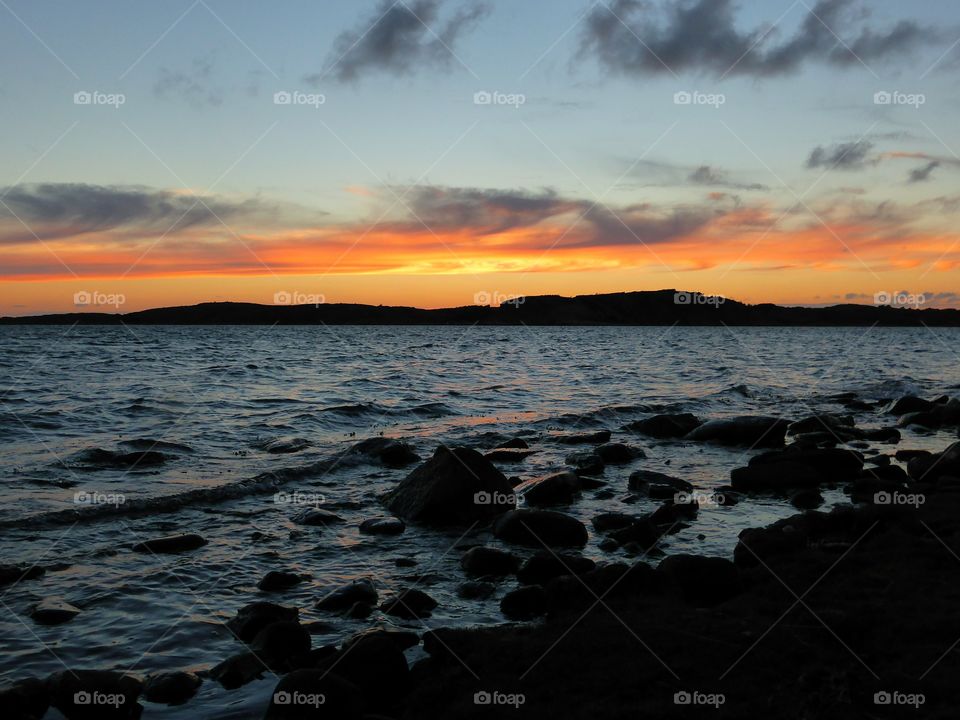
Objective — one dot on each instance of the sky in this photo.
(444, 153)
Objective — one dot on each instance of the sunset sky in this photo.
(437, 151)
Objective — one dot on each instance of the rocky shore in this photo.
(845, 613)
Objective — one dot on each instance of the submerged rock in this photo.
(15, 573)
(588, 438)
(313, 516)
(283, 446)
(171, 544)
(585, 462)
(95, 694)
(666, 426)
(171, 688)
(344, 597)
(382, 526)
(278, 580)
(410, 604)
(53, 611)
(457, 486)
(390, 452)
(617, 453)
(482, 561)
(748, 430)
(657, 485)
(536, 528)
(476, 590)
(252, 618)
(518, 443)
(508, 454)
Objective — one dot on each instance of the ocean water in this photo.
(211, 400)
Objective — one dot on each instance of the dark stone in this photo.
(536, 528)
(390, 452)
(346, 596)
(238, 670)
(283, 446)
(278, 642)
(14, 573)
(617, 453)
(806, 499)
(589, 438)
(474, 590)
(382, 526)
(84, 694)
(26, 699)
(517, 443)
(585, 462)
(375, 663)
(52, 611)
(606, 522)
(525, 603)
(410, 604)
(481, 561)
(252, 618)
(774, 476)
(703, 581)
(544, 565)
(666, 426)
(278, 580)
(910, 404)
(508, 455)
(315, 516)
(171, 688)
(752, 431)
(361, 610)
(833, 424)
(403, 639)
(657, 485)
(642, 531)
(298, 697)
(171, 544)
(455, 487)
(557, 489)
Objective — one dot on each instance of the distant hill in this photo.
(659, 307)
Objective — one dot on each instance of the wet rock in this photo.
(806, 499)
(557, 489)
(276, 580)
(95, 694)
(568, 594)
(171, 688)
(98, 457)
(346, 596)
(617, 453)
(607, 522)
(53, 611)
(666, 426)
(171, 544)
(403, 639)
(361, 610)
(585, 462)
(703, 581)
(525, 603)
(313, 516)
(657, 485)
(536, 528)
(252, 618)
(10, 574)
(382, 526)
(752, 431)
(410, 604)
(476, 590)
(886, 435)
(909, 404)
(390, 452)
(797, 466)
(543, 566)
(518, 443)
(25, 699)
(907, 455)
(375, 663)
(508, 455)
(480, 561)
(281, 641)
(833, 424)
(315, 693)
(284, 446)
(774, 476)
(238, 670)
(643, 531)
(455, 487)
(588, 438)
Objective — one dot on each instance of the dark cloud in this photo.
(704, 36)
(922, 174)
(55, 210)
(844, 156)
(399, 38)
(707, 175)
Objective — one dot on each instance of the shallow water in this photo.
(209, 399)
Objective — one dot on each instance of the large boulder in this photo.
(747, 430)
(666, 426)
(536, 528)
(457, 486)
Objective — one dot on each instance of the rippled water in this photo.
(210, 399)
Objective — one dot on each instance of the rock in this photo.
(525, 603)
(518, 443)
(402, 639)
(907, 455)
(887, 435)
(390, 452)
(481, 561)
(543, 566)
(774, 476)
(26, 699)
(614, 580)
(806, 499)
(703, 581)
(474, 590)
(171, 688)
(797, 466)
(666, 426)
(509, 455)
(361, 610)
(313, 517)
(833, 424)
(278, 580)
(455, 487)
(657, 485)
(280, 642)
(642, 531)
(589, 438)
(345, 596)
(252, 618)
(238, 670)
(606, 522)
(557, 489)
(410, 604)
(617, 453)
(99, 457)
(382, 526)
(585, 462)
(909, 404)
(53, 611)
(15, 573)
(315, 693)
(171, 544)
(536, 528)
(95, 694)
(283, 446)
(752, 431)
(375, 663)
